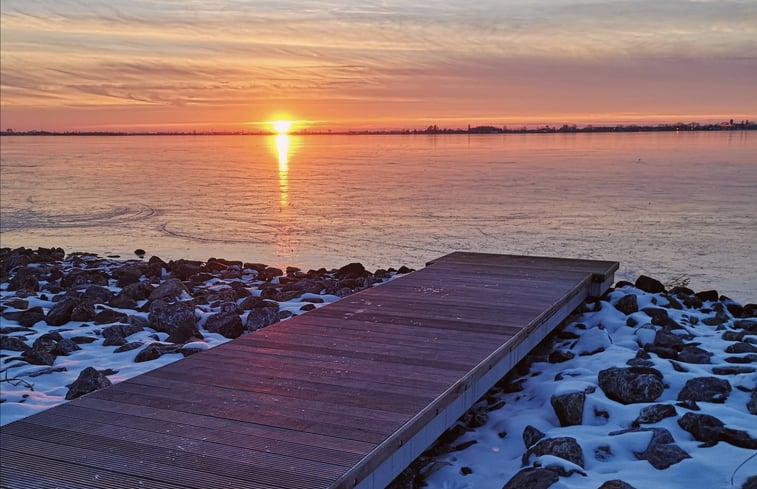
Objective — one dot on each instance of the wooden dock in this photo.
(345, 396)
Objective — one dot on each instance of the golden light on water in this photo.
(281, 141)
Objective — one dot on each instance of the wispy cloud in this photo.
(435, 56)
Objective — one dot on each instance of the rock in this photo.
(660, 317)
(648, 284)
(64, 346)
(132, 345)
(709, 389)
(226, 323)
(627, 304)
(532, 479)
(176, 319)
(122, 301)
(83, 311)
(60, 313)
(694, 355)
(127, 275)
(97, 294)
(265, 314)
(631, 385)
(270, 273)
(138, 290)
(569, 408)
(38, 357)
(751, 405)
(654, 413)
(13, 343)
(140, 252)
(31, 316)
(89, 380)
(616, 484)
(351, 270)
(107, 316)
(531, 435)
(115, 335)
(733, 370)
(564, 447)
(661, 452)
(664, 338)
(155, 350)
(741, 347)
(707, 295)
(172, 288)
(710, 430)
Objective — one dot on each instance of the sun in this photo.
(281, 126)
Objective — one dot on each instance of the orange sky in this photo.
(229, 65)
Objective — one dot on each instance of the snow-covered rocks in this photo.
(653, 388)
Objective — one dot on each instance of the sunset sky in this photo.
(232, 64)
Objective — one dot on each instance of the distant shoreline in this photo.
(433, 129)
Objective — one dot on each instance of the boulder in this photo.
(616, 484)
(751, 405)
(708, 389)
(122, 301)
(13, 343)
(155, 350)
(177, 319)
(661, 452)
(172, 288)
(531, 435)
(351, 270)
(569, 408)
(648, 284)
(631, 385)
(654, 413)
(97, 294)
(31, 316)
(226, 323)
(695, 355)
(60, 313)
(627, 304)
(564, 447)
(83, 311)
(532, 479)
(138, 290)
(107, 316)
(89, 380)
(710, 430)
(264, 314)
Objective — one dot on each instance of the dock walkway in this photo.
(345, 396)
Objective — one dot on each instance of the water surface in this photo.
(672, 205)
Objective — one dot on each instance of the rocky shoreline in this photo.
(53, 304)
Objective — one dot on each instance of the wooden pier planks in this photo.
(344, 396)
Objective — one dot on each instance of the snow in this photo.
(494, 460)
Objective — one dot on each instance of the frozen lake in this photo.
(670, 205)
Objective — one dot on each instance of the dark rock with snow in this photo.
(695, 355)
(107, 316)
(122, 301)
(648, 284)
(115, 335)
(710, 430)
(171, 289)
(226, 323)
(31, 316)
(569, 408)
(616, 484)
(13, 343)
(263, 314)
(661, 452)
(532, 479)
(627, 304)
(89, 380)
(708, 389)
(631, 385)
(154, 351)
(751, 405)
(531, 435)
(564, 447)
(132, 345)
(741, 347)
(177, 319)
(97, 294)
(83, 311)
(60, 313)
(654, 413)
(138, 291)
(707, 295)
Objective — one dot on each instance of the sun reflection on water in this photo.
(281, 141)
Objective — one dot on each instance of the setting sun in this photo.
(281, 126)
